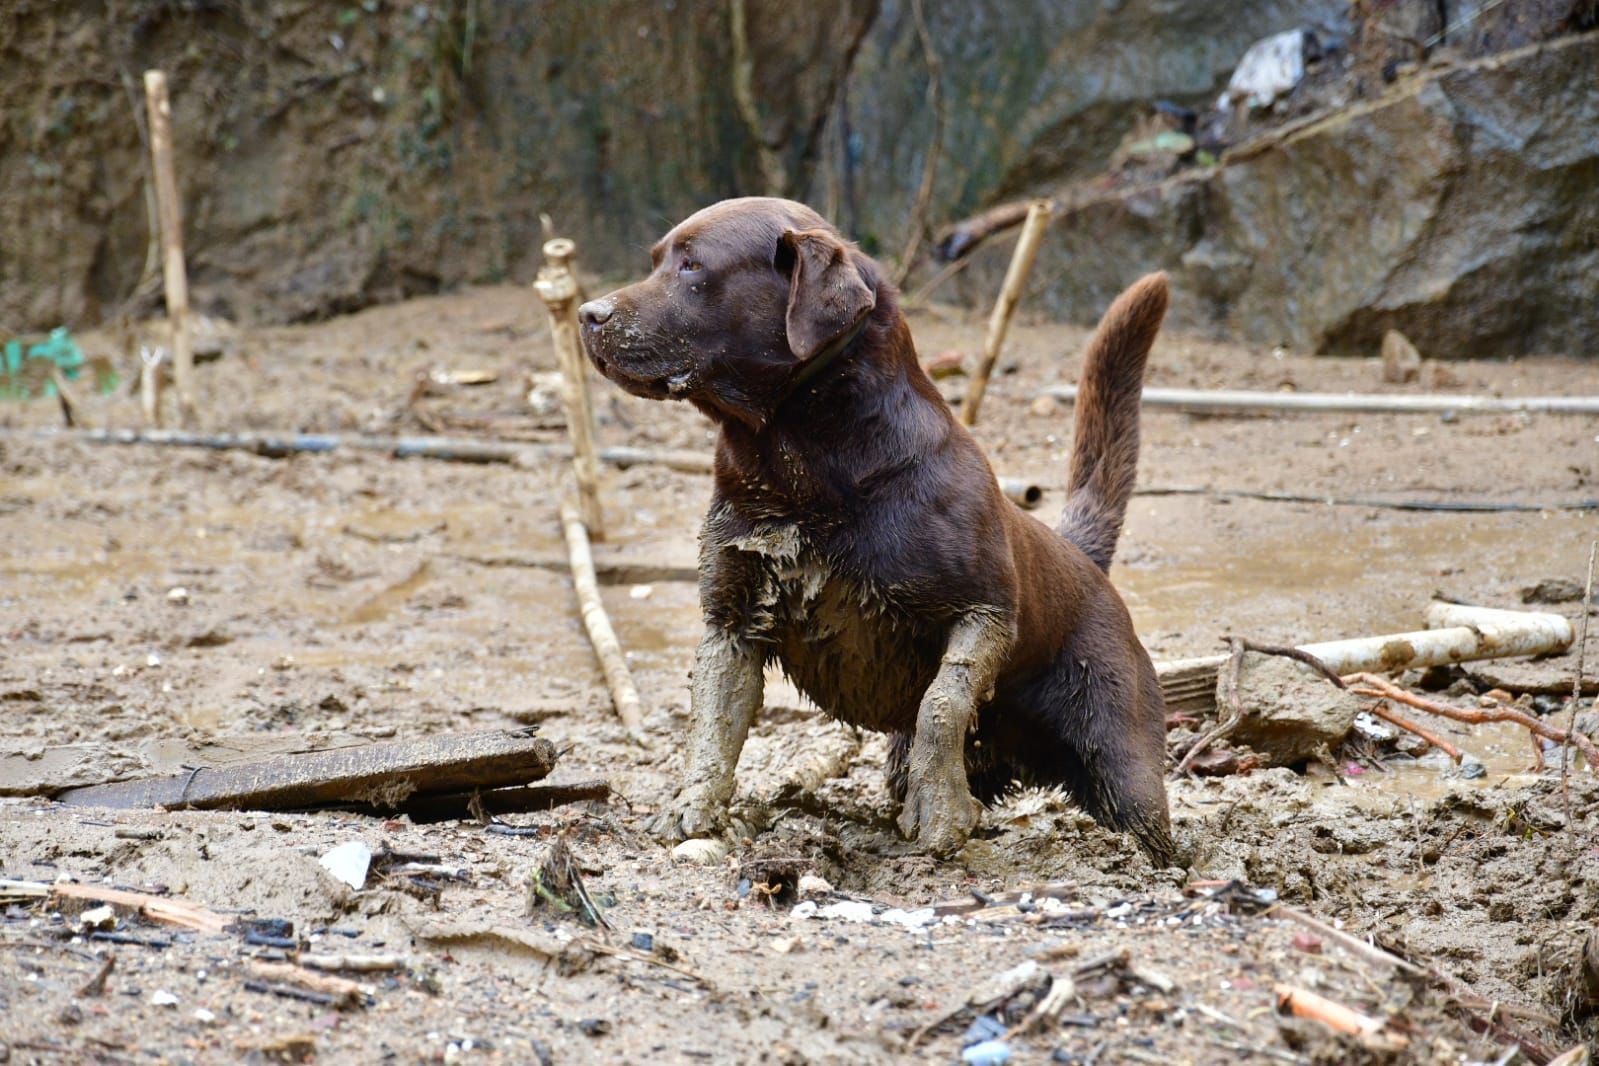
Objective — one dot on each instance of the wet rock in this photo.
(1290, 713)
(1400, 360)
(1552, 590)
(1450, 208)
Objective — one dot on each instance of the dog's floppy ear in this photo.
(827, 296)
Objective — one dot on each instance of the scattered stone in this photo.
(701, 852)
(1291, 714)
(1045, 406)
(785, 945)
(97, 919)
(812, 885)
(1552, 590)
(178, 597)
(1309, 943)
(988, 1053)
(162, 998)
(1400, 360)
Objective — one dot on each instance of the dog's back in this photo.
(1105, 440)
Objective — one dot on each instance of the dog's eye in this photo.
(690, 266)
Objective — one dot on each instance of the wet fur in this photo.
(857, 537)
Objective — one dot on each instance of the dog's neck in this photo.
(868, 411)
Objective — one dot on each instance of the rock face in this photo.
(333, 155)
(1459, 208)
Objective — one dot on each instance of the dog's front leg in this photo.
(726, 693)
(939, 809)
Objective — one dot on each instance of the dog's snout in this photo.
(596, 312)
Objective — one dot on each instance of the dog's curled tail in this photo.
(1105, 441)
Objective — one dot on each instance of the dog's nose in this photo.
(596, 312)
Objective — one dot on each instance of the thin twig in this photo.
(935, 145)
(1408, 726)
(1235, 710)
(1363, 684)
(1576, 686)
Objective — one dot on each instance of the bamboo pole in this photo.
(1010, 293)
(624, 694)
(1242, 401)
(173, 272)
(557, 287)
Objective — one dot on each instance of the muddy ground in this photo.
(338, 597)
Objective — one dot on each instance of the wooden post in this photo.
(1010, 293)
(557, 287)
(177, 278)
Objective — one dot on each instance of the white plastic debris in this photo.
(348, 862)
(857, 910)
(1271, 68)
(1373, 728)
(162, 998)
(98, 918)
(204, 1017)
(700, 852)
(850, 910)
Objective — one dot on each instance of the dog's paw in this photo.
(939, 817)
(687, 815)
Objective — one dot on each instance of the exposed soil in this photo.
(338, 597)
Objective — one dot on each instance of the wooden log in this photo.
(1466, 634)
(1244, 402)
(384, 774)
(1010, 294)
(624, 694)
(174, 274)
(557, 287)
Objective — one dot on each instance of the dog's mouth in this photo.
(676, 384)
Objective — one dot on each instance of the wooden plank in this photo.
(383, 774)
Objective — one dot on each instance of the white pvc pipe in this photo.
(1240, 401)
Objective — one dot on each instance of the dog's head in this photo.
(744, 295)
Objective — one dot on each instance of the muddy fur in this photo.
(857, 536)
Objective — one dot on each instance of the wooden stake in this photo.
(1010, 293)
(557, 287)
(624, 695)
(176, 277)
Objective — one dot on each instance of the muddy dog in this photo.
(857, 535)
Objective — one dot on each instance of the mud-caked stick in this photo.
(624, 694)
(173, 271)
(557, 287)
(1010, 294)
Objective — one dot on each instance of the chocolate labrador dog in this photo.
(857, 535)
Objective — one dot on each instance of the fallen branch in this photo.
(341, 991)
(958, 240)
(624, 695)
(1235, 709)
(1245, 402)
(384, 774)
(155, 908)
(356, 963)
(1408, 726)
(1365, 684)
(1010, 294)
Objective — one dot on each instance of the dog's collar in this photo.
(819, 362)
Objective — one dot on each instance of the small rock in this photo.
(204, 1017)
(1400, 360)
(594, 1026)
(785, 945)
(178, 596)
(984, 1027)
(1290, 713)
(643, 941)
(1045, 406)
(811, 885)
(988, 1053)
(701, 852)
(1494, 697)
(945, 364)
(1309, 943)
(641, 592)
(1552, 590)
(97, 919)
(162, 998)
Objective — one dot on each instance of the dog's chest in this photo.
(847, 643)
